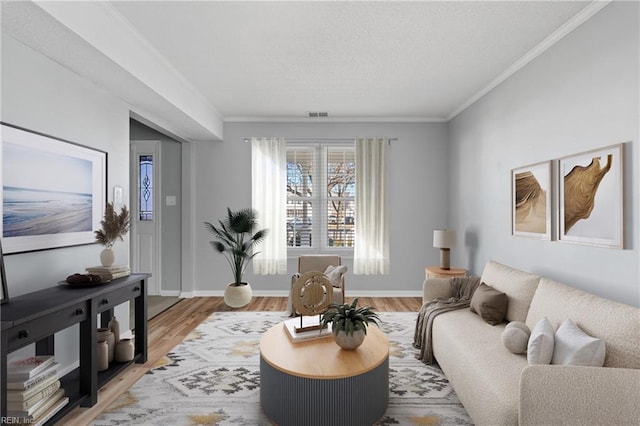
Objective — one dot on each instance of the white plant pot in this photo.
(107, 257)
(238, 296)
(349, 342)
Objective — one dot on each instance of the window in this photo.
(145, 187)
(321, 197)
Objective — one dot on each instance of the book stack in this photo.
(34, 394)
(108, 273)
(306, 331)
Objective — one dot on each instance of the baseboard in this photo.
(170, 293)
(64, 370)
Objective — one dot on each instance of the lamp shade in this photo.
(444, 238)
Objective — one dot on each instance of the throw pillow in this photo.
(574, 347)
(489, 303)
(334, 274)
(541, 341)
(515, 337)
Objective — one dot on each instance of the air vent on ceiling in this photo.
(318, 114)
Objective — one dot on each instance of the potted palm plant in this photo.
(235, 239)
(349, 323)
(114, 226)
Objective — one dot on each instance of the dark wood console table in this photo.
(35, 317)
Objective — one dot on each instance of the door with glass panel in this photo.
(145, 221)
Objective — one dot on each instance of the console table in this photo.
(35, 317)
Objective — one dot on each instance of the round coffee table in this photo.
(317, 383)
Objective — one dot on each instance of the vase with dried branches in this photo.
(114, 226)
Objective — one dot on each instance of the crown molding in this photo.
(585, 14)
(346, 119)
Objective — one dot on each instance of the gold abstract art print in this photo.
(531, 201)
(591, 197)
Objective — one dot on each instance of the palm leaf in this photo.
(235, 238)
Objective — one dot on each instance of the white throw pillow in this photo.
(540, 347)
(515, 337)
(334, 274)
(574, 347)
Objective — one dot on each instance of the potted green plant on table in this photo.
(235, 239)
(114, 226)
(349, 323)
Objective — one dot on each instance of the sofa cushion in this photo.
(489, 303)
(616, 323)
(574, 347)
(519, 287)
(476, 362)
(541, 342)
(515, 337)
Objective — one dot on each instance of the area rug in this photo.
(213, 378)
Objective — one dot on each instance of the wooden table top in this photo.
(452, 272)
(322, 358)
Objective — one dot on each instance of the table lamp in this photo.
(444, 239)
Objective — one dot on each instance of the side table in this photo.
(438, 272)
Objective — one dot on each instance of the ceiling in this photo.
(278, 61)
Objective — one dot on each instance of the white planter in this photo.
(349, 342)
(238, 296)
(107, 257)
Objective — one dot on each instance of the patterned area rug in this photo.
(213, 378)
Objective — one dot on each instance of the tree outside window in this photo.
(308, 170)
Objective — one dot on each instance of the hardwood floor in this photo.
(168, 329)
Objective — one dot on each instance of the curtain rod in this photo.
(321, 139)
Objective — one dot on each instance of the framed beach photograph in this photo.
(531, 201)
(53, 191)
(591, 197)
(4, 296)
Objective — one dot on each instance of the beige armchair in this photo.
(319, 263)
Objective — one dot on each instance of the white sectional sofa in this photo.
(498, 387)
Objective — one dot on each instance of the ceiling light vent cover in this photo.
(318, 114)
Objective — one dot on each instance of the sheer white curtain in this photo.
(269, 199)
(371, 253)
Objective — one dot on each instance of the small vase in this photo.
(107, 257)
(102, 355)
(114, 326)
(125, 350)
(349, 342)
(238, 295)
(106, 335)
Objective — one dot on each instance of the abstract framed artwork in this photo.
(531, 201)
(591, 197)
(53, 191)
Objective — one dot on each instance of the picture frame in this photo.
(4, 294)
(591, 197)
(53, 191)
(531, 191)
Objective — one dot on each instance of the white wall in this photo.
(580, 95)
(40, 95)
(417, 190)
